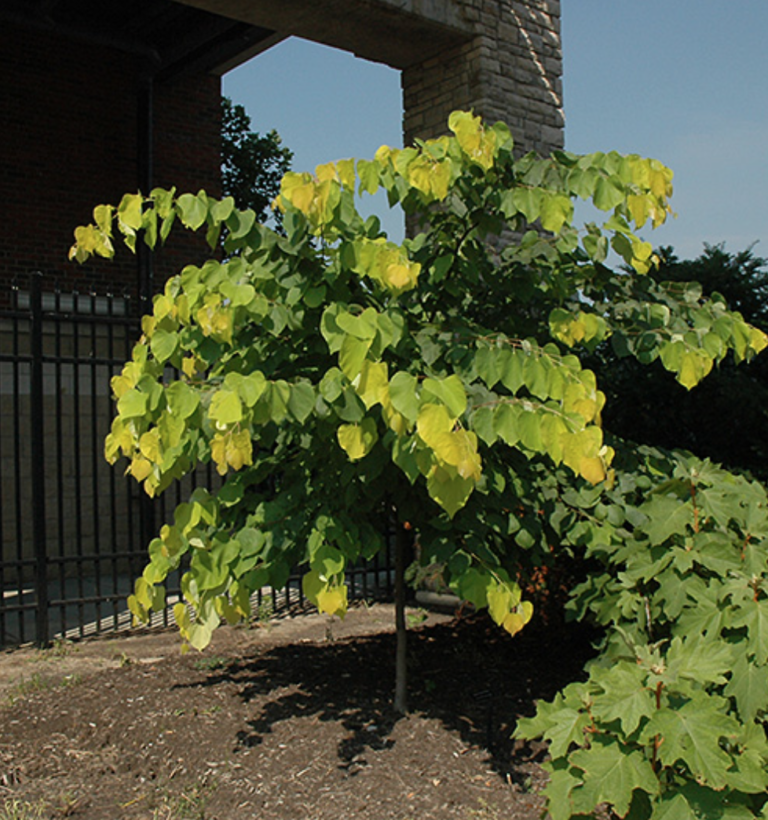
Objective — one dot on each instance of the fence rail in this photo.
(73, 531)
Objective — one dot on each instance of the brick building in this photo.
(98, 98)
(102, 98)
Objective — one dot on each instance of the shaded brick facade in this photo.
(69, 141)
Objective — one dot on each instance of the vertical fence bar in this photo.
(19, 361)
(59, 612)
(37, 449)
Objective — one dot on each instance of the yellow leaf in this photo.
(457, 448)
(396, 422)
(189, 366)
(758, 340)
(372, 384)
(401, 275)
(140, 468)
(148, 325)
(149, 445)
(513, 623)
(387, 263)
(239, 449)
(333, 600)
(468, 463)
(500, 602)
(140, 614)
(219, 453)
(441, 179)
(592, 469)
(163, 306)
(326, 171)
(215, 320)
(430, 176)
(357, 439)
(581, 400)
(126, 380)
(314, 197)
(119, 440)
(475, 141)
(585, 444)
(298, 189)
(639, 209)
(694, 366)
(434, 427)
(346, 169)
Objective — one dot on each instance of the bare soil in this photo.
(289, 720)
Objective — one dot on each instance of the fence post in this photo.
(37, 452)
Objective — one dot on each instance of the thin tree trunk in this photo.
(401, 672)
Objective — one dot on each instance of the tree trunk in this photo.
(401, 671)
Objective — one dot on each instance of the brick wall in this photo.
(69, 142)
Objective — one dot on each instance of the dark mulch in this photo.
(269, 729)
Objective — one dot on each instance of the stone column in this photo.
(508, 69)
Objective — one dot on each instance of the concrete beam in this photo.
(399, 33)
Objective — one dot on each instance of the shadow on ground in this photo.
(469, 674)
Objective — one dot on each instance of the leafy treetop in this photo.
(337, 379)
(252, 164)
(645, 405)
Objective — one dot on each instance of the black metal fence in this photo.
(73, 530)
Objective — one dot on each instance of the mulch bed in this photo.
(295, 730)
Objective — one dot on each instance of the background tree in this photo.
(645, 404)
(341, 382)
(252, 165)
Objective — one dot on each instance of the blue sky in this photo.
(685, 81)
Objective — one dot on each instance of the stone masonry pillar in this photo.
(508, 69)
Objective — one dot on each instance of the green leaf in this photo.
(754, 616)
(511, 364)
(472, 586)
(558, 791)
(225, 408)
(328, 561)
(132, 404)
(192, 210)
(691, 734)
(402, 394)
(612, 771)
(129, 212)
(528, 201)
(556, 210)
(699, 659)
(450, 391)
(449, 489)
(608, 193)
(505, 423)
(749, 686)
(625, 696)
(250, 388)
(163, 344)
(301, 402)
(674, 807)
(182, 399)
(352, 355)
(487, 367)
(667, 516)
(566, 729)
(529, 428)
(482, 424)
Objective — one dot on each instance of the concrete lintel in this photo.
(399, 33)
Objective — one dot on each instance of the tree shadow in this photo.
(468, 674)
